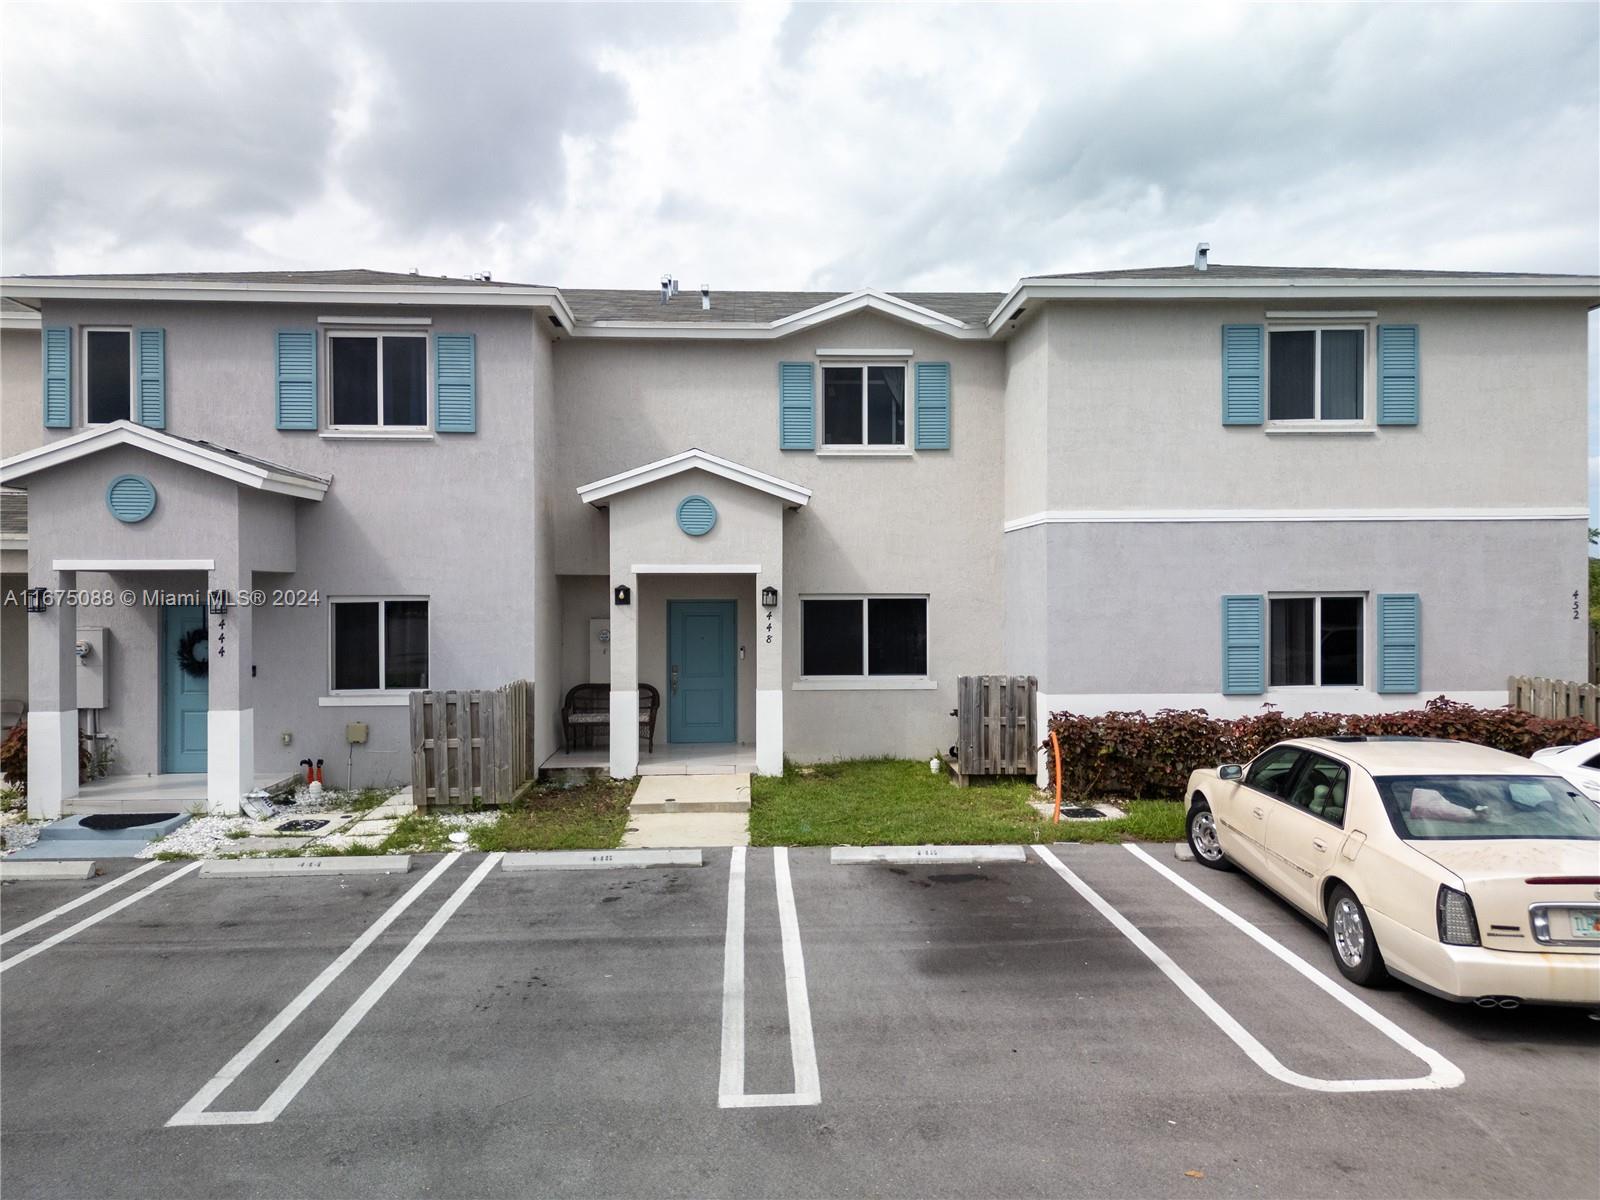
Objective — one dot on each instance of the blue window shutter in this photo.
(1399, 394)
(1400, 643)
(297, 379)
(455, 382)
(933, 406)
(797, 406)
(150, 407)
(1244, 645)
(1243, 386)
(58, 377)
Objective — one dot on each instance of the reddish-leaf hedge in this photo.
(1135, 754)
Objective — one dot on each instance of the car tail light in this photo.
(1458, 924)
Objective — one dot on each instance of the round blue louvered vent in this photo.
(131, 498)
(696, 515)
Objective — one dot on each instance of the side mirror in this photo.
(1230, 771)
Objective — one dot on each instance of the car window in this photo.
(1273, 771)
(1450, 807)
(1320, 789)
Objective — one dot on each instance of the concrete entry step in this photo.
(692, 794)
(665, 830)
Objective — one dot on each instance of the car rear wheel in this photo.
(1355, 949)
(1203, 841)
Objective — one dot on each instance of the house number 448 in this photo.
(769, 627)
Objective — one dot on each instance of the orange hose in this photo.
(1055, 746)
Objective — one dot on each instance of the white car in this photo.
(1576, 764)
(1467, 872)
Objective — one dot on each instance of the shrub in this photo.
(1135, 754)
(14, 757)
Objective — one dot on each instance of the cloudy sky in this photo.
(797, 146)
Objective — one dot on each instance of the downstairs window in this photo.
(380, 645)
(843, 637)
(1315, 641)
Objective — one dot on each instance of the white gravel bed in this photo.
(202, 836)
(20, 834)
(468, 820)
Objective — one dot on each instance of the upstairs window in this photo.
(864, 406)
(378, 380)
(107, 375)
(380, 645)
(864, 635)
(1316, 374)
(1315, 641)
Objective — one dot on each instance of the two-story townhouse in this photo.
(787, 521)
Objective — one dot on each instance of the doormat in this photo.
(104, 822)
(302, 826)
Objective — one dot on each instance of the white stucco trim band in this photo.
(230, 758)
(133, 564)
(769, 731)
(694, 459)
(52, 761)
(696, 568)
(624, 757)
(1191, 516)
(243, 471)
(866, 683)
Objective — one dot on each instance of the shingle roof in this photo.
(13, 513)
(1232, 271)
(356, 278)
(589, 305)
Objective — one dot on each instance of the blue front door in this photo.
(702, 670)
(185, 695)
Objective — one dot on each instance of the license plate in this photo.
(1585, 924)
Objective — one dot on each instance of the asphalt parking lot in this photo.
(918, 1030)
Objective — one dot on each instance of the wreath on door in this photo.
(192, 664)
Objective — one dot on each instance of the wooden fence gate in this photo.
(471, 747)
(995, 725)
(1554, 697)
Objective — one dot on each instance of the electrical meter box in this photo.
(93, 667)
(355, 733)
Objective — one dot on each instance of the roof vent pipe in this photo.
(666, 288)
(1200, 252)
(674, 287)
(705, 297)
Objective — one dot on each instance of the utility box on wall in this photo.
(93, 667)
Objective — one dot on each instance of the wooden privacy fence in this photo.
(1594, 654)
(1554, 697)
(471, 747)
(995, 725)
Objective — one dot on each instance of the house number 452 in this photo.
(1575, 607)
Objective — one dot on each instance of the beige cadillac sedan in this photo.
(1467, 872)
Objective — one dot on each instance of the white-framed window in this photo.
(107, 375)
(1316, 640)
(864, 406)
(854, 637)
(1317, 373)
(378, 643)
(377, 380)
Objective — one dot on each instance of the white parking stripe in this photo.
(1441, 1072)
(92, 894)
(802, 1041)
(109, 910)
(193, 1113)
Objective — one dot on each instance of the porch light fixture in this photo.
(217, 602)
(769, 597)
(621, 594)
(36, 602)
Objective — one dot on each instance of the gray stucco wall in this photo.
(1135, 608)
(21, 397)
(1135, 422)
(927, 523)
(446, 518)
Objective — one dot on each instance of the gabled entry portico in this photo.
(139, 530)
(696, 535)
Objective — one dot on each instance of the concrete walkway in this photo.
(689, 810)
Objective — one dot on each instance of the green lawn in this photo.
(879, 802)
(592, 816)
